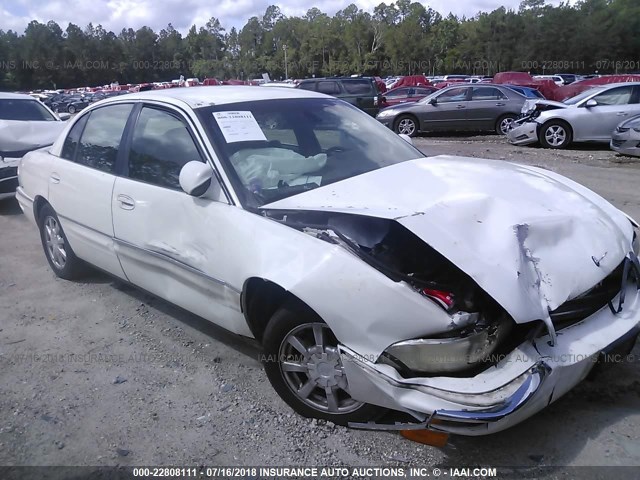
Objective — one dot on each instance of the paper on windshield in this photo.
(239, 126)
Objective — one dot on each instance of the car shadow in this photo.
(10, 206)
(244, 345)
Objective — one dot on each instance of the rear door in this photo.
(485, 106)
(361, 92)
(81, 184)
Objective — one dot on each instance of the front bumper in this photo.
(519, 385)
(525, 133)
(626, 143)
(8, 177)
(386, 121)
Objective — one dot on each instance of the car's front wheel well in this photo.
(261, 299)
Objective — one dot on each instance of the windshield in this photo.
(273, 149)
(24, 110)
(581, 96)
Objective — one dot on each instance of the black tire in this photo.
(293, 318)
(555, 134)
(60, 256)
(71, 109)
(407, 125)
(505, 123)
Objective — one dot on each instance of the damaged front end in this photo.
(477, 324)
(526, 290)
(525, 127)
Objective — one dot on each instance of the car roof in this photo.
(202, 96)
(15, 96)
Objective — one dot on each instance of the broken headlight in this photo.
(449, 354)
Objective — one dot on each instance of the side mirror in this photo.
(591, 103)
(196, 178)
(64, 116)
(433, 101)
(406, 138)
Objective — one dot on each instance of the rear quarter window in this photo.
(358, 87)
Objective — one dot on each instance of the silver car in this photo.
(625, 138)
(588, 117)
(461, 107)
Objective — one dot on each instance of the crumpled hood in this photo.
(21, 136)
(525, 235)
(533, 103)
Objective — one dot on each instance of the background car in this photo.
(527, 92)
(360, 91)
(480, 107)
(70, 103)
(588, 117)
(25, 124)
(406, 95)
(625, 139)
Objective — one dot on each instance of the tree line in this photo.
(399, 38)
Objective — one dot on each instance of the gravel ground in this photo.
(98, 373)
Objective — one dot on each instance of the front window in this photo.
(274, 149)
(24, 110)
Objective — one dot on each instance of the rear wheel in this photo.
(555, 134)
(505, 124)
(305, 368)
(406, 125)
(61, 258)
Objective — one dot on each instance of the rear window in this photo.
(24, 110)
(358, 87)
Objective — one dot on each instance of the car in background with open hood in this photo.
(468, 294)
(25, 124)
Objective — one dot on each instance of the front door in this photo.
(170, 243)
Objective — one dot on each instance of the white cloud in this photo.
(118, 14)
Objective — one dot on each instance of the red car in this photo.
(406, 95)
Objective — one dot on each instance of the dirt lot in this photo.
(152, 384)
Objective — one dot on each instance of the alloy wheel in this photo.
(54, 242)
(312, 369)
(555, 135)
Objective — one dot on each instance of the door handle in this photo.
(500, 104)
(621, 114)
(54, 178)
(126, 202)
(459, 107)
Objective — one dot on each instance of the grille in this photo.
(577, 309)
(8, 172)
(617, 143)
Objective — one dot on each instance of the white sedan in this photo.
(466, 293)
(25, 124)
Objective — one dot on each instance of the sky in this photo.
(115, 15)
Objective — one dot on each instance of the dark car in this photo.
(70, 103)
(527, 91)
(406, 95)
(479, 107)
(361, 91)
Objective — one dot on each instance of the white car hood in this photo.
(525, 235)
(17, 136)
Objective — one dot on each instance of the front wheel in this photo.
(406, 125)
(61, 258)
(304, 367)
(71, 109)
(505, 124)
(555, 134)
